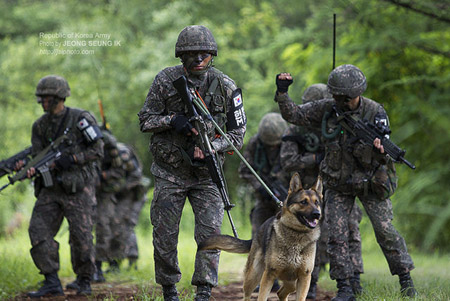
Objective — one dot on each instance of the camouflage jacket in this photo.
(134, 178)
(168, 147)
(121, 170)
(301, 151)
(348, 162)
(49, 127)
(112, 172)
(265, 160)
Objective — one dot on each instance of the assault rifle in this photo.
(211, 160)
(276, 186)
(7, 165)
(41, 163)
(367, 132)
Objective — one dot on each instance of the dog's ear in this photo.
(295, 184)
(318, 187)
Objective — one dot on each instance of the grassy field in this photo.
(18, 273)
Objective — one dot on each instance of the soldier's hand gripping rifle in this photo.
(204, 110)
(367, 132)
(203, 142)
(41, 163)
(7, 166)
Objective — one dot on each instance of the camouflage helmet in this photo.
(53, 85)
(315, 92)
(347, 80)
(271, 128)
(195, 38)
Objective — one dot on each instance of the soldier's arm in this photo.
(236, 119)
(309, 114)
(153, 116)
(93, 151)
(292, 158)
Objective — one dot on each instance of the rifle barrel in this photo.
(4, 186)
(409, 164)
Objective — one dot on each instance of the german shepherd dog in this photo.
(284, 247)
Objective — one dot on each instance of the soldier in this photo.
(302, 150)
(130, 200)
(178, 162)
(112, 178)
(120, 195)
(263, 154)
(73, 193)
(352, 168)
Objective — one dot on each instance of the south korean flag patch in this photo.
(237, 100)
(236, 115)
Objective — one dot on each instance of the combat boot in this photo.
(407, 286)
(132, 263)
(52, 287)
(312, 291)
(355, 282)
(170, 292)
(345, 292)
(85, 287)
(203, 293)
(114, 267)
(98, 275)
(75, 285)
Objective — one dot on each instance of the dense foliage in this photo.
(402, 47)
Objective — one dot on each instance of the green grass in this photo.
(18, 273)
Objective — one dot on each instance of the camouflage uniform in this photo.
(121, 196)
(72, 196)
(302, 150)
(262, 152)
(176, 178)
(112, 178)
(130, 200)
(347, 171)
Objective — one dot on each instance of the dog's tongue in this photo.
(313, 223)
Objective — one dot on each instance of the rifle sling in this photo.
(61, 125)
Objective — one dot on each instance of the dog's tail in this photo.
(226, 243)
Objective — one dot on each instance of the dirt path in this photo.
(118, 291)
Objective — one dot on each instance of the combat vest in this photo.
(350, 165)
(173, 151)
(75, 178)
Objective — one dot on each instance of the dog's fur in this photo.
(284, 247)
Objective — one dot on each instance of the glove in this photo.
(282, 84)
(64, 162)
(181, 124)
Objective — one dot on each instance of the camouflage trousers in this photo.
(127, 211)
(354, 244)
(166, 209)
(380, 213)
(51, 207)
(105, 225)
(263, 210)
(117, 216)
